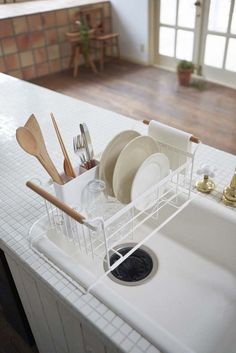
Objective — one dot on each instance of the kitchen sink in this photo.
(189, 304)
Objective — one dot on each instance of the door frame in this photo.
(219, 76)
(154, 14)
(198, 55)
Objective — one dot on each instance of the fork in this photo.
(78, 143)
(79, 149)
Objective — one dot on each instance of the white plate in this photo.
(128, 162)
(152, 170)
(110, 155)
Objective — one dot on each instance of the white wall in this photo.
(130, 19)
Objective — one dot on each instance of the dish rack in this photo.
(96, 239)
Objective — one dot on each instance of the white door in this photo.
(200, 31)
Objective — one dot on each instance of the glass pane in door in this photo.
(168, 12)
(186, 13)
(231, 55)
(214, 51)
(219, 15)
(184, 47)
(166, 41)
(176, 31)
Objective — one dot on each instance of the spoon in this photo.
(32, 145)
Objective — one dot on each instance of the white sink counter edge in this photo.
(17, 101)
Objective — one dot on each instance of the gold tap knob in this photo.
(229, 193)
(206, 185)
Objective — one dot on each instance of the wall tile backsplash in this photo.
(36, 45)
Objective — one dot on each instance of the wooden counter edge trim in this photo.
(192, 138)
(56, 202)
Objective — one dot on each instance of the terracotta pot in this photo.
(184, 76)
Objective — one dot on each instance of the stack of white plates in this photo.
(110, 156)
(130, 165)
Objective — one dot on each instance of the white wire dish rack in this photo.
(91, 242)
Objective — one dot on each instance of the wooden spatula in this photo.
(33, 125)
(32, 144)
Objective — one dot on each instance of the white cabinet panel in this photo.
(28, 293)
(55, 324)
(56, 328)
(72, 330)
(92, 342)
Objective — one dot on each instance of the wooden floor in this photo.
(146, 92)
(10, 340)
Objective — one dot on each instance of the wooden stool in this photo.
(103, 37)
(76, 51)
(105, 41)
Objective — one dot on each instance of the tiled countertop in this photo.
(19, 207)
(34, 7)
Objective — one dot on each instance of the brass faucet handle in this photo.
(229, 193)
(233, 181)
(206, 185)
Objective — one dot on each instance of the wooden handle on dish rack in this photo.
(192, 138)
(56, 202)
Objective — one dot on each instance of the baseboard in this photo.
(225, 84)
(134, 60)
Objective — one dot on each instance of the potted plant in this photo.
(185, 69)
(85, 39)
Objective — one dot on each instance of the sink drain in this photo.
(136, 269)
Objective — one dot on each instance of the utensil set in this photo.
(31, 140)
(83, 147)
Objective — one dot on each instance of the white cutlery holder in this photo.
(71, 192)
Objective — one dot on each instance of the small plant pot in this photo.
(184, 76)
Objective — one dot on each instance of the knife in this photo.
(87, 143)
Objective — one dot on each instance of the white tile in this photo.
(134, 336)
(101, 323)
(152, 349)
(101, 309)
(109, 330)
(117, 322)
(94, 316)
(118, 337)
(86, 310)
(109, 315)
(127, 344)
(143, 343)
(136, 350)
(126, 329)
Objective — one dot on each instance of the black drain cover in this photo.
(135, 268)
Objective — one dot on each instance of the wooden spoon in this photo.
(32, 145)
(33, 126)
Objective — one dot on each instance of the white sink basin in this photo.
(193, 295)
(190, 303)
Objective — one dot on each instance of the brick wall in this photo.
(36, 45)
